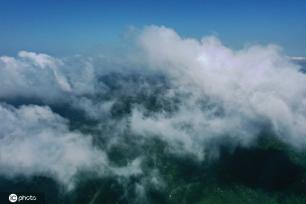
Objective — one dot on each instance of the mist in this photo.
(64, 117)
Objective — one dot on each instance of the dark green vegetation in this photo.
(267, 173)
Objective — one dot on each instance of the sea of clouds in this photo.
(206, 94)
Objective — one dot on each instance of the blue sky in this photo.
(62, 27)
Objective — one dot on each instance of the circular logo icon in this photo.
(13, 198)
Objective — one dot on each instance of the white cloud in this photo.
(247, 89)
(36, 141)
(222, 94)
(32, 75)
(39, 59)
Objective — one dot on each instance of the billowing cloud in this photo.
(40, 76)
(32, 75)
(36, 141)
(192, 94)
(228, 93)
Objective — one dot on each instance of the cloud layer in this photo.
(192, 94)
(231, 94)
(36, 141)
